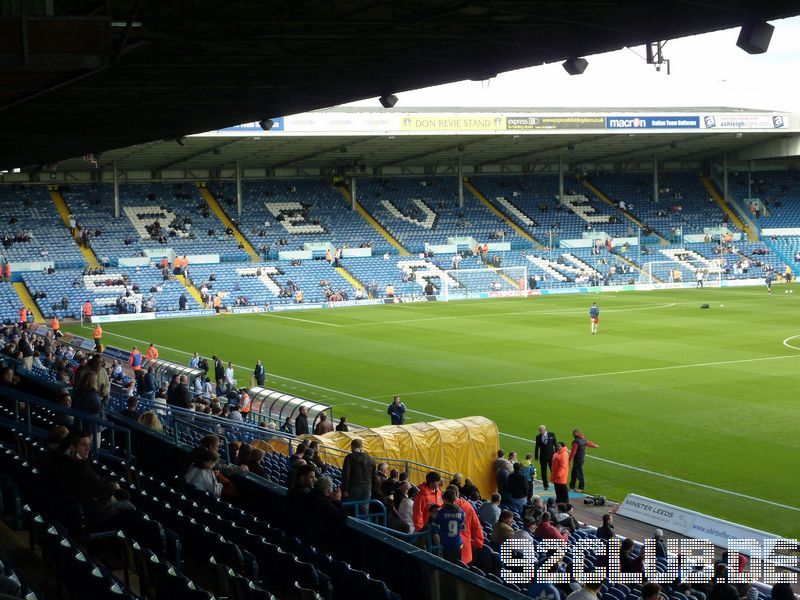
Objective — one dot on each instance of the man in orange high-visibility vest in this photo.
(98, 337)
(152, 352)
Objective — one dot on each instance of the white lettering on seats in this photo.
(427, 223)
(293, 218)
(142, 216)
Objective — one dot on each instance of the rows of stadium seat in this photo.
(307, 276)
(93, 207)
(10, 303)
(33, 211)
(685, 190)
(322, 203)
(437, 214)
(781, 187)
(70, 284)
(536, 197)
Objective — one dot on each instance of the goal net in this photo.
(457, 284)
(709, 271)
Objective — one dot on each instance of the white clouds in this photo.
(707, 70)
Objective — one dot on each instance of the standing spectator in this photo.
(577, 456)
(323, 425)
(397, 411)
(472, 534)
(73, 224)
(87, 310)
(517, 489)
(152, 353)
(230, 377)
(357, 474)
(505, 469)
(529, 472)
(301, 422)
(149, 385)
(182, 300)
(135, 360)
(97, 335)
(342, 425)
(450, 520)
(561, 472)
(401, 517)
(259, 374)
(428, 494)
(219, 369)
(544, 452)
(661, 546)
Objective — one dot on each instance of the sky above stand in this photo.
(706, 70)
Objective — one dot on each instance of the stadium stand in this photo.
(187, 225)
(9, 303)
(296, 211)
(779, 191)
(32, 229)
(425, 211)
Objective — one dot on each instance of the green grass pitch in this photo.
(674, 395)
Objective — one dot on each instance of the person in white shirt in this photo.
(230, 377)
(201, 475)
(526, 531)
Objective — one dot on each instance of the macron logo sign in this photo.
(625, 123)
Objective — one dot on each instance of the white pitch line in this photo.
(533, 313)
(274, 316)
(787, 340)
(604, 374)
(619, 464)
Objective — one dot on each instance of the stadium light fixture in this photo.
(181, 141)
(266, 124)
(388, 101)
(575, 66)
(755, 36)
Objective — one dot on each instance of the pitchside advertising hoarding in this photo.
(332, 123)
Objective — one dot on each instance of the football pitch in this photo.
(694, 407)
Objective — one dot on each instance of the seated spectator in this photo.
(503, 530)
(150, 420)
(201, 474)
(546, 531)
(526, 531)
(628, 563)
(469, 488)
(71, 478)
(489, 512)
(254, 462)
(131, 411)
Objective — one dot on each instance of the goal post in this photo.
(686, 272)
(457, 284)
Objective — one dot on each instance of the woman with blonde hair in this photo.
(150, 420)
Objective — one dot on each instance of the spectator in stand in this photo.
(489, 512)
(590, 591)
(323, 425)
(328, 516)
(131, 411)
(606, 530)
(504, 529)
(301, 422)
(577, 457)
(255, 461)
(150, 420)
(651, 591)
(721, 590)
(469, 489)
(450, 521)
(401, 516)
(472, 533)
(560, 472)
(357, 474)
(547, 531)
(661, 546)
(390, 484)
(517, 489)
(544, 590)
(288, 426)
(201, 472)
(149, 385)
(628, 563)
(71, 477)
(529, 472)
(342, 425)
(230, 377)
(397, 411)
(429, 493)
(503, 472)
(379, 477)
(526, 531)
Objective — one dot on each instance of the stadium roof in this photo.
(356, 138)
(81, 76)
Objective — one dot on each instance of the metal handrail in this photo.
(379, 515)
(412, 538)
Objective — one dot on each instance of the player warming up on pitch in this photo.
(594, 316)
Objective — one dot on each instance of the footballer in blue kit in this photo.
(594, 316)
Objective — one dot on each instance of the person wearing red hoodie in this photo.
(429, 493)
(577, 456)
(472, 534)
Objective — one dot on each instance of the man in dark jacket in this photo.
(219, 369)
(259, 374)
(544, 451)
(577, 456)
(301, 422)
(357, 473)
(149, 385)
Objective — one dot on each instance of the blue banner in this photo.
(278, 125)
(674, 122)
